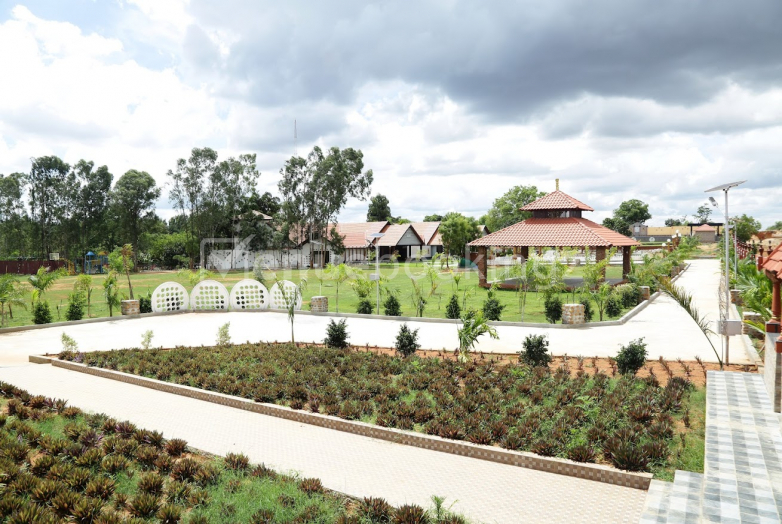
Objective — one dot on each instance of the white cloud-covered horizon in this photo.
(451, 110)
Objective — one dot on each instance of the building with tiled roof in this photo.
(556, 222)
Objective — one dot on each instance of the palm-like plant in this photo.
(111, 291)
(10, 295)
(291, 297)
(83, 285)
(338, 273)
(42, 281)
(474, 326)
(684, 299)
(528, 275)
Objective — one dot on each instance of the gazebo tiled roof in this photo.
(556, 200)
(555, 232)
(773, 262)
(704, 228)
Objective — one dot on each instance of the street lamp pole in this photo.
(376, 276)
(726, 232)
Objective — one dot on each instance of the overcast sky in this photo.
(452, 102)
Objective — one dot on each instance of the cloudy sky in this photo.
(452, 102)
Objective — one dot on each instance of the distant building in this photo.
(706, 233)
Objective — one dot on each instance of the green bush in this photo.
(630, 294)
(589, 313)
(337, 334)
(552, 306)
(391, 307)
(407, 341)
(364, 307)
(631, 357)
(145, 304)
(75, 309)
(492, 309)
(453, 310)
(535, 352)
(41, 313)
(614, 305)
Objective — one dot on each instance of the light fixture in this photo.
(726, 232)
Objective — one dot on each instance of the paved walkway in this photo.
(666, 328)
(359, 466)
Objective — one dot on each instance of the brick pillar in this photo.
(524, 252)
(482, 266)
(772, 370)
(776, 305)
(625, 262)
(600, 254)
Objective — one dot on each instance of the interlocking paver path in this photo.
(666, 328)
(358, 466)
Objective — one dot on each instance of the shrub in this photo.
(631, 357)
(492, 309)
(237, 461)
(630, 295)
(176, 446)
(589, 313)
(453, 310)
(407, 341)
(535, 352)
(69, 345)
(337, 334)
(41, 313)
(145, 304)
(146, 338)
(364, 307)
(552, 305)
(75, 309)
(411, 514)
(614, 305)
(391, 307)
(223, 336)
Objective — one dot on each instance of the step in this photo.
(656, 505)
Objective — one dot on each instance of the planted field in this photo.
(58, 464)
(631, 423)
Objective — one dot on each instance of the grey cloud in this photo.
(504, 60)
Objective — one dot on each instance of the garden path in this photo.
(666, 328)
(359, 466)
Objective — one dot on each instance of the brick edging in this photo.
(595, 472)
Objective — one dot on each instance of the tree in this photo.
(93, 203)
(47, 179)
(10, 295)
(776, 226)
(42, 281)
(456, 232)
(379, 210)
(618, 225)
(703, 213)
(745, 226)
(672, 222)
(338, 274)
(127, 264)
(632, 211)
(12, 214)
(505, 210)
(433, 218)
(83, 285)
(133, 198)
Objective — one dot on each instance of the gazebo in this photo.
(556, 222)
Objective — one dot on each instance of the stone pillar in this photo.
(573, 314)
(646, 292)
(735, 297)
(750, 316)
(319, 304)
(130, 307)
(626, 257)
(772, 372)
(600, 254)
(482, 266)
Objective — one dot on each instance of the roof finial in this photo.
(557, 184)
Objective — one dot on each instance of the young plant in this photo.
(111, 291)
(631, 357)
(364, 307)
(613, 305)
(10, 295)
(492, 309)
(535, 352)
(42, 281)
(127, 264)
(146, 339)
(83, 285)
(68, 344)
(418, 298)
(453, 310)
(41, 312)
(473, 327)
(75, 309)
(552, 306)
(290, 298)
(223, 336)
(337, 334)
(407, 341)
(391, 306)
(338, 274)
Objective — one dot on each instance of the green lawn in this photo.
(399, 278)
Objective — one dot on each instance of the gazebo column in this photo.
(776, 301)
(482, 266)
(600, 254)
(625, 262)
(524, 252)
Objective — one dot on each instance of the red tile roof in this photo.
(394, 233)
(773, 262)
(705, 228)
(556, 200)
(426, 230)
(356, 234)
(554, 232)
